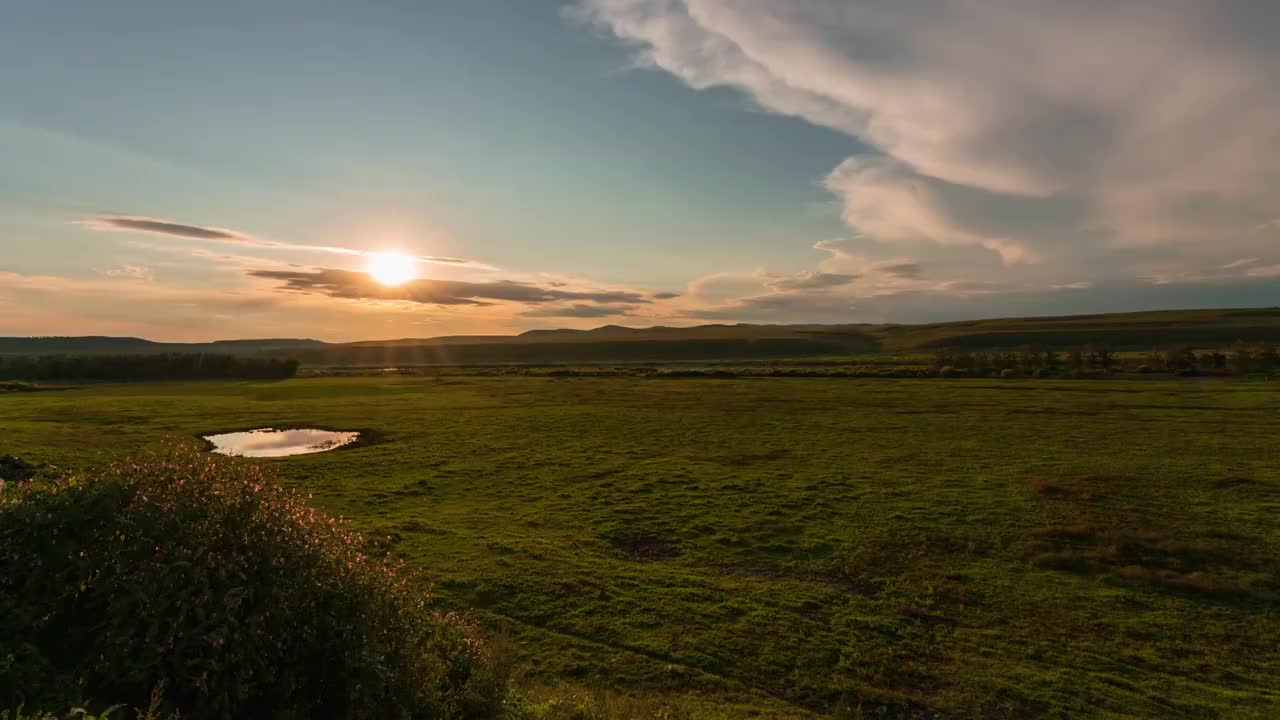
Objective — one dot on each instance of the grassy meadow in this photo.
(775, 547)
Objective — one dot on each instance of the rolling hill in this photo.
(619, 344)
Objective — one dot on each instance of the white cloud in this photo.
(1241, 263)
(131, 272)
(1075, 136)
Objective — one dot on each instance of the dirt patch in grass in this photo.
(1144, 540)
(853, 585)
(1145, 556)
(738, 459)
(643, 547)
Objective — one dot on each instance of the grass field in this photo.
(789, 547)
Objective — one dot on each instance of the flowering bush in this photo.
(206, 577)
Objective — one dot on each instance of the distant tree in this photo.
(1075, 359)
(1242, 356)
(161, 366)
(1180, 358)
(1029, 358)
(1268, 357)
(1004, 360)
(1100, 357)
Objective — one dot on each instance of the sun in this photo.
(391, 268)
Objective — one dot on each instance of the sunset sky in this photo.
(196, 171)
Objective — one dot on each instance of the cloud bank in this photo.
(550, 300)
(1015, 141)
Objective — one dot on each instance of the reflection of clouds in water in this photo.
(268, 442)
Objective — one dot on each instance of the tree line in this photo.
(1240, 358)
(161, 366)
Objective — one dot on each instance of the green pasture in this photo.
(794, 547)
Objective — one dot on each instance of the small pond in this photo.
(269, 442)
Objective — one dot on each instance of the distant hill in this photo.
(1121, 331)
(620, 344)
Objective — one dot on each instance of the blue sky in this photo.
(631, 161)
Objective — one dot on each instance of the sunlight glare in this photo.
(390, 268)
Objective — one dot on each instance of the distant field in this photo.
(898, 548)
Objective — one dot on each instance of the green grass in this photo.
(783, 547)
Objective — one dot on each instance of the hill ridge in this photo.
(1143, 330)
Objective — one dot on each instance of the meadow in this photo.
(794, 547)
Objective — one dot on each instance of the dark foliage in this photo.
(205, 577)
(1095, 359)
(160, 366)
(16, 469)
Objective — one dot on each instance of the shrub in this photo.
(16, 469)
(1008, 373)
(948, 372)
(204, 576)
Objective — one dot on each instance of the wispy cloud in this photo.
(811, 281)
(156, 226)
(132, 272)
(1242, 262)
(577, 310)
(354, 285)
(900, 269)
(163, 227)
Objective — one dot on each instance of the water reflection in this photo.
(268, 442)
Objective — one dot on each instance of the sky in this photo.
(199, 171)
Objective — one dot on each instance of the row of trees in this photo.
(1241, 357)
(161, 366)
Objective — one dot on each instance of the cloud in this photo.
(665, 295)
(811, 281)
(133, 272)
(162, 227)
(900, 269)
(577, 310)
(959, 300)
(155, 226)
(349, 284)
(727, 285)
(1060, 137)
(58, 305)
(1241, 263)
